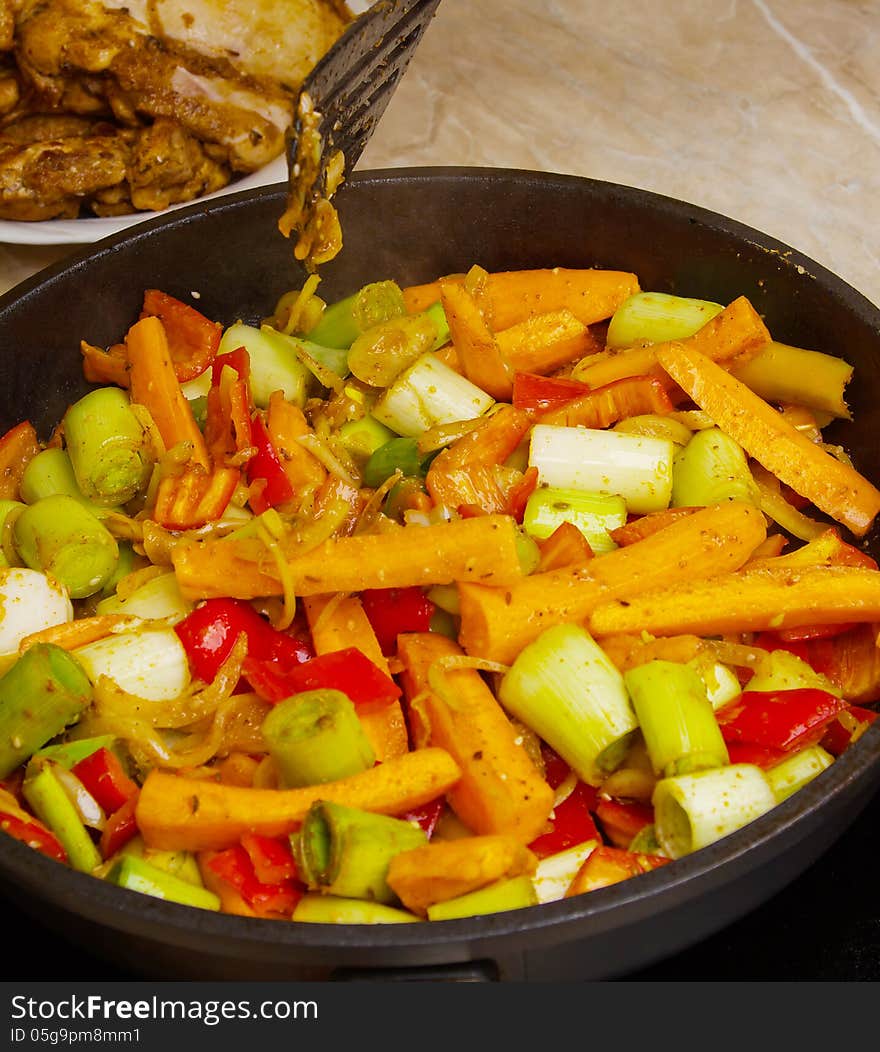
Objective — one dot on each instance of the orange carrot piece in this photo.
(17, 448)
(194, 498)
(500, 790)
(496, 623)
(545, 342)
(748, 601)
(286, 423)
(834, 487)
(852, 662)
(105, 367)
(628, 650)
(339, 623)
(153, 384)
(445, 869)
(464, 473)
(566, 546)
(737, 332)
(768, 551)
(194, 814)
(478, 352)
(516, 295)
(604, 406)
(479, 549)
(645, 525)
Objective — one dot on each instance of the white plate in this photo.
(85, 231)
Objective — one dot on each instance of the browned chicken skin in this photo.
(109, 107)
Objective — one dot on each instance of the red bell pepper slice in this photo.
(32, 832)
(391, 611)
(194, 498)
(610, 865)
(17, 448)
(270, 486)
(519, 493)
(271, 857)
(427, 815)
(228, 412)
(759, 755)
(780, 719)
(535, 393)
(348, 670)
(807, 633)
(622, 820)
(193, 339)
(840, 732)
(572, 823)
(266, 899)
(209, 633)
(121, 827)
(104, 777)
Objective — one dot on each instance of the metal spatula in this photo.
(339, 106)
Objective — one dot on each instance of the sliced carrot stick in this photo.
(479, 354)
(176, 813)
(834, 487)
(500, 790)
(566, 546)
(545, 342)
(768, 551)
(748, 601)
(515, 295)
(604, 406)
(338, 623)
(454, 474)
(736, 332)
(153, 384)
(828, 549)
(18, 447)
(645, 525)
(629, 650)
(286, 423)
(445, 869)
(496, 623)
(478, 549)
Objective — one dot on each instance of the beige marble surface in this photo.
(767, 111)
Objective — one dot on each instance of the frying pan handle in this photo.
(466, 972)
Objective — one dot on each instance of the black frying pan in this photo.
(412, 225)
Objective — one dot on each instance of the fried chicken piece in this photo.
(169, 166)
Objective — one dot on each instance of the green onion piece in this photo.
(199, 407)
(315, 908)
(158, 598)
(124, 566)
(445, 624)
(438, 316)
(512, 894)
(721, 682)
(676, 717)
(315, 737)
(637, 468)
(652, 317)
(397, 454)
(793, 773)
(60, 537)
(381, 353)
(342, 322)
(42, 693)
(782, 670)
(346, 851)
(428, 394)
(645, 842)
(137, 874)
(710, 469)
(445, 596)
(67, 754)
(51, 804)
(554, 874)
(108, 447)
(51, 472)
(783, 374)
(274, 365)
(528, 551)
(7, 507)
(180, 864)
(594, 514)
(692, 811)
(564, 687)
(361, 438)
(150, 663)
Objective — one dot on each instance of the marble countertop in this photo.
(767, 111)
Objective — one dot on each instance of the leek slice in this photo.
(316, 908)
(594, 514)
(274, 365)
(564, 687)
(512, 894)
(652, 317)
(150, 663)
(795, 771)
(634, 467)
(710, 469)
(554, 874)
